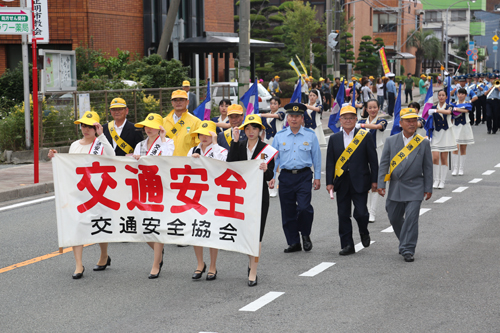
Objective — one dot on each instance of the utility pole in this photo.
(244, 47)
(329, 55)
(398, 46)
(168, 28)
(26, 84)
(337, 27)
(311, 58)
(496, 53)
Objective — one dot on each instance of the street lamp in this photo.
(446, 39)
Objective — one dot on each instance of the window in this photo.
(384, 22)
(432, 16)
(458, 15)
(457, 40)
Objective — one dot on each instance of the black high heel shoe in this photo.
(197, 273)
(154, 276)
(252, 283)
(77, 276)
(211, 276)
(101, 268)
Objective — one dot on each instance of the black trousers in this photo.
(392, 101)
(409, 92)
(476, 108)
(346, 195)
(492, 114)
(481, 112)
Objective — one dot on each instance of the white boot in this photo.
(372, 208)
(442, 179)
(454, 164)
(436, 174)
(461, 168)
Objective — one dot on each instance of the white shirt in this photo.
(250, 152)
(176, 118)
(348, 138)
(118, 131)
(407, 140)
(77, 148)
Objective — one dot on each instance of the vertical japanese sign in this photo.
(171, 200)
(41, 15)
(15, 21)
(60, 70)
(383, 59)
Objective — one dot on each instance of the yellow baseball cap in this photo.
(153, 120)
(384, 77)
(354, 79)
(205, 128)
(321, 79)
(408, 113)
(371, 78)
(186, 83)
(88, 118)
(423, 75)
(276, 77)
(350, 84)
(118, 103)
(311, 78)
(428, 78)
(234, 109)
(179, 94)
(252, 119)
(348, 109)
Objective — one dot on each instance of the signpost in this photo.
(15, 21)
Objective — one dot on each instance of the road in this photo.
(451, 287)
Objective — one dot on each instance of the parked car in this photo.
(230, 90)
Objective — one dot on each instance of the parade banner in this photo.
(170, 200)
(383, 58)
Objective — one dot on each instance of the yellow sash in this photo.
(177, 126)
(403, 153)
(358, 138)
(227, 135)
(119, 141)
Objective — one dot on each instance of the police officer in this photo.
(298, 151)
(492, 105)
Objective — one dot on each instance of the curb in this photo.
(26, 191)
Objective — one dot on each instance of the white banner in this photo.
(170, 200)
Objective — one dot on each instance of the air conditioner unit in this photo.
(420, 12)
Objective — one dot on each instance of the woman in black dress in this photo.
(251, 149)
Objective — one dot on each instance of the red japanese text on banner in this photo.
(171, 200)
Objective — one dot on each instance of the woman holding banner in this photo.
(90, 144)
(155, 145)
(208, 147)
(253, 148)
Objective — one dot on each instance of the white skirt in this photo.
(443, 140)
(319, 130)
(463, 134)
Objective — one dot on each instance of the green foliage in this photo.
(420, 41)
(11, 86)
(257, 18)
(236, 18)
(277, 18)
(12, 131)
(368, 61)
(286, 5)
(270, 9)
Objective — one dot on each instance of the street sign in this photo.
(474, 57)
(495, 38)
(474, 51)
(495, 48)
(15, 21)
(469, 52)
(41, 22)
(471, 47)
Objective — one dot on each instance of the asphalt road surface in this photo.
(451, 287)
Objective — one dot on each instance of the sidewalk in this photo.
(16, 182)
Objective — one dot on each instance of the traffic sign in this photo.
(495, 38)
(474, 51)
(15, 21)
(495, 48)
(469, 52)
(475, 56)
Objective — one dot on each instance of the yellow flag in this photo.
(302, 65)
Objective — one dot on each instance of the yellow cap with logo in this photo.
(234, 109)
(348, 109)
(88, 118)
(118, 103)
(408, 113)
(252, 119)
(186, 83)
(153, 120)
(205, 128)
(179, 94)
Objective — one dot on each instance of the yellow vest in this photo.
(183, 140)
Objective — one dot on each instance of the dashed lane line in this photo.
(460, 189)
(497, 166)
(442, 199)
(318, 269)
(476, 180)
(262, 301)
(358, 247)
(421, 212)
(488, 172)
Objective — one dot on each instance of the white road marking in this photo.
(488, 172)
(497, 166)
(476, 180)
(27, 203)
(460, 189)
(358, 247)
(318, 269)
(264, 300)
(442, 199)
(390, 229)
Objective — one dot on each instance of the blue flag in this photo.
(448, 90)
(397, 109)
(251, 99)
(297, 93)
(353, 95)
(429, 126)
(337, 105)
(202, 112)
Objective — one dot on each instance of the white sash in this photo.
(269, 153)
(155, 149)
(97, 147)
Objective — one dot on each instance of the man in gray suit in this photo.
(192, 98)
(407, 162)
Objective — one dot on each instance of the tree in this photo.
(368, 61)
(433, 50)
(301, 26)
(419, 40)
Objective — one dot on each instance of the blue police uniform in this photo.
(297, 153)
(391, 93)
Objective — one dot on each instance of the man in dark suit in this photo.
(192, 98)
(410, 180)
(121, 134)
(351, 171)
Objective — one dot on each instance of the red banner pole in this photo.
(35, 99)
